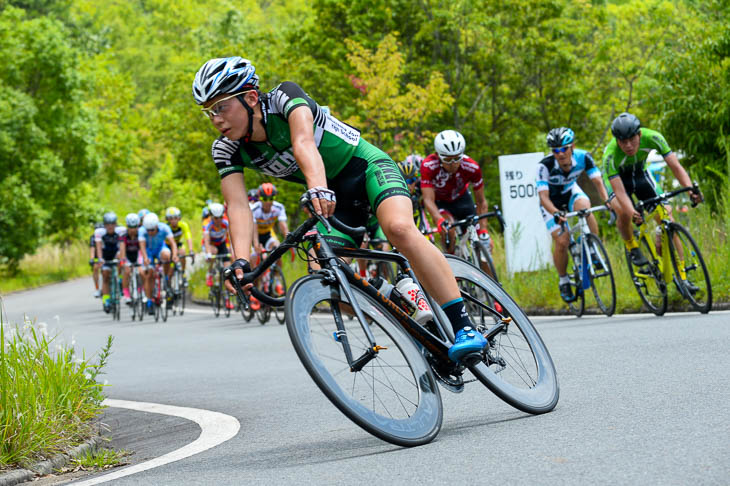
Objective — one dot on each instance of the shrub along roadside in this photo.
(50, 264)
(48, 395)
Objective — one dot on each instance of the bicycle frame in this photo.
(576, 233)
(663, 261)
(343, 276)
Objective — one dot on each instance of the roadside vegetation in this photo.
(49, 396)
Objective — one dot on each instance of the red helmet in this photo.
(267, 190)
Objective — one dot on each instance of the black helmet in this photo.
(110, 218)
(625, 126)
(557, 137)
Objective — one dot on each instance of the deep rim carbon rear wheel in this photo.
(602, 282)
(518, 367)
(649, 282)
(394, 396)
(697, 288)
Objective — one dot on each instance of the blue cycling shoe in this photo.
(467, 341)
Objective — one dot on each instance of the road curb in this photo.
(43, 468)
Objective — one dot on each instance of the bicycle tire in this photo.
(278, 275)
(263, 314)
(141, 308)
(697, 263)
(484, 259)
(654, 298)
(175, 288)
(578, 305)
(534, 391)
(183, 296)
(419, 414)
(596, 244)
(213, 298)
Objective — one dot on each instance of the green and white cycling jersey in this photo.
(617, 163)
(335, 140)
(361, 175)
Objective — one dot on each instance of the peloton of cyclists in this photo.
(180, 233)
(558, 190)
(215, 235)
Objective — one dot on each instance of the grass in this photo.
(51, 263)
(98, 459)
(48, 395)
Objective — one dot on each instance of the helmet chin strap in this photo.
(247, 137)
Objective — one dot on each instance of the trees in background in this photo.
(97, 106)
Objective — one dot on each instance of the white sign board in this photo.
(526, 240)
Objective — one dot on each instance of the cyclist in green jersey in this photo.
(625, 172)
(286, 134)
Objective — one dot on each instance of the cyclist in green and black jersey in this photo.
(625, 172)
(284, 133)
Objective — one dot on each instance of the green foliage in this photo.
(46, 134)
(48, 395)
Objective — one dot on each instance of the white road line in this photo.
(216, 428)
(621, 316)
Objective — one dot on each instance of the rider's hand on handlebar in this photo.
(323, 200)
(636, 217)
(442, 225)
(696, 197)
(239, 267)
(559, 217)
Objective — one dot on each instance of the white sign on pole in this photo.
(527, 242)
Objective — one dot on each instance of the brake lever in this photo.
(242, 297)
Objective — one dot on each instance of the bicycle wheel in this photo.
(164, 296)
(602, 282)
(649, 282)
(484, 257)
(225, 297)
(183, 295)
(263, 314)
(213, 297)
(518, 367)
(141, 308)
(175, 290)
(395, 396)
(578, 305)
(278, 290)
(687, 259)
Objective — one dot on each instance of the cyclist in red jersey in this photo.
(445, 177)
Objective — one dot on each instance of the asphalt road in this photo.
(644, 400)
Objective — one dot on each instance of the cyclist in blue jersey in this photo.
(156, 243)
(284, 133)
(558, 189)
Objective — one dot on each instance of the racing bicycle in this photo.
(382, 369)
(676, 259)
(590, 266)
(470, 247)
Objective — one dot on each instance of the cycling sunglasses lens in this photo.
(411, 180)
(560, 150)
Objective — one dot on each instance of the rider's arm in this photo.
(283, 228)
(306, 154)
(482, 206)
(122, 250)
(622, 197)
(546, 202)
(240, 220)
(679, 172)
(429, 202)
(187, 237)
(143, 250)
(173, 246)
(98, 248)
(598, 182)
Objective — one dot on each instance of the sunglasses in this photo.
(411, 180)
(560, 150)
(218, 109)
(266, 198)
(452, 159)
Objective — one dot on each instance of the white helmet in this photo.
(216, 209)
(150, 221)
(224, 75)
(449, 143)
(132, 220)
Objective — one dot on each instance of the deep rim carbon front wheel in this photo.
(394, 396)
(517, 367)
